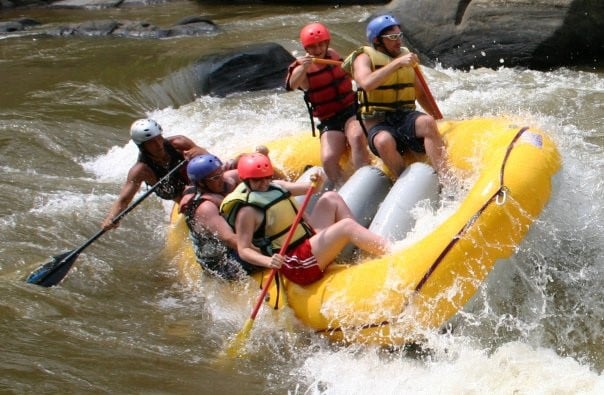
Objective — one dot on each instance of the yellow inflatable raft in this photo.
(389, 300)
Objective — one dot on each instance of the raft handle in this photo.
(501, 196)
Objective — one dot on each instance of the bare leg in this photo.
(386, 146)
(425, 126)
(357, 142)
(327, 244)
(333, 146)
(329, 209)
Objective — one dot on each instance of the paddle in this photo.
(327, 61)
(234, 348)
(53, 272)
(424, 84)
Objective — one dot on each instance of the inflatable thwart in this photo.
(391, 299)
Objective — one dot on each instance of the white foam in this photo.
(463, 369)
(226, 125)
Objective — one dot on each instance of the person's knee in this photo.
(331, 199)
(330, 202)
(425, 126)
(357, 139)
(330, 159)
(384, 142)
(332, 196)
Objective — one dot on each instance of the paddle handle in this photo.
(290, 234)
(327, 61)
(424, 84)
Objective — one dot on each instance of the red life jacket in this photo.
(330, 88)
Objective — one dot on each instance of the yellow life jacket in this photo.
(397, 92)
(279, 212)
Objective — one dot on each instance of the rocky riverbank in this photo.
(458, 34)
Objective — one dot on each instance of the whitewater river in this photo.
(126, 321)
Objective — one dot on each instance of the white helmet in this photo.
(144, 130)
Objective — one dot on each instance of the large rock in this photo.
(250, 68)
(189, 26)
(489, 33)
(17, 25)
(97, 4)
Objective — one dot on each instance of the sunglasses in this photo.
(215, 177)
(394, 36)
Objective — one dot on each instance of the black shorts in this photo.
(401, 125)
(337, 122)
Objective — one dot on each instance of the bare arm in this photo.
(248, 220)
(300, 188)
(214, 198)
(185, 145)
(368, 79)
(298, 78)
(232, 178)
(208, 218)
(136, 175)
(295, 188)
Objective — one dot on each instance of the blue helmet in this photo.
(378, 25)
(201, 166)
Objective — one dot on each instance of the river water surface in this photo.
(126, 321)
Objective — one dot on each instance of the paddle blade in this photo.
(235, 349)
(51, 273)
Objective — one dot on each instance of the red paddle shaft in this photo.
(290, 234)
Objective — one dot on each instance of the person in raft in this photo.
(157, 157)
(214, 241)
(387, 92)
(261, 210)
(329, 96)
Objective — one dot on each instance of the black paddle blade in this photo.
(53, 272)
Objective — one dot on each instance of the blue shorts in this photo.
(401, 125)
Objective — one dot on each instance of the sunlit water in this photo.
(126, 321)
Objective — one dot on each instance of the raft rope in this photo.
(278, 283)
(499, 197)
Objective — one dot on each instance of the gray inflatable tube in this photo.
(363, 192)
(393, 220)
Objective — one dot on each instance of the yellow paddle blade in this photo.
(235, 349)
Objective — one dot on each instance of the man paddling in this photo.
(157, 156)
(388, 91)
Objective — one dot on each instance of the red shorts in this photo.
(300, 265)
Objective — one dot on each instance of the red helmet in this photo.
(254, 166)
(314, 33)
